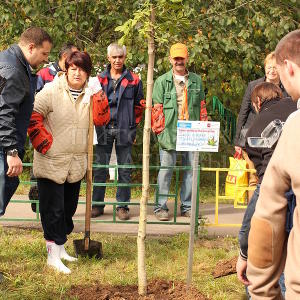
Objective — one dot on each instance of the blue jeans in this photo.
(103, 153)
(244, 233)
(245, 228)
(281, 284)
(168, 158)
(8, 185)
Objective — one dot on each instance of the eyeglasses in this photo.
(270, 68)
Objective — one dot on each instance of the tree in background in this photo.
(89, 24)
(227, 39)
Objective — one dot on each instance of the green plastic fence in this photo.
(226, 117)
(174, 195)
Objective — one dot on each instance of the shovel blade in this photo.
(94, 250)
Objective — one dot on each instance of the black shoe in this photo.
(123, 214)
(33, 195)
(186, 214)
(33, 207)
(96, 212)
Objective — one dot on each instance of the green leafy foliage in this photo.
(89, 24)
(227, 39)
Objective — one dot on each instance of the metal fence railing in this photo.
(174, 195)
(115, 183)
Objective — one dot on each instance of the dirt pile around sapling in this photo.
(157, 290)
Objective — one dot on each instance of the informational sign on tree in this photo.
(200, 136)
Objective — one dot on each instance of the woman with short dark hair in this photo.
(58, 131)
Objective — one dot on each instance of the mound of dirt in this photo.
(157, 290)
(225, 267)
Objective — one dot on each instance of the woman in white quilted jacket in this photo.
(59, 131)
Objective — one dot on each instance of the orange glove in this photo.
(157, 118)
(203, 111)
(40, 138)
(138, 111)
(101, 110)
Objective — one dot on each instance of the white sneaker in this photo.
(64, 255)
(54, 258)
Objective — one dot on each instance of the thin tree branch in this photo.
(228, 11)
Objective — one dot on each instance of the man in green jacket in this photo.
(177, 95)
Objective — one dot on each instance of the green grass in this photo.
(23, 261)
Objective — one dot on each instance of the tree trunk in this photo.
(142, 278)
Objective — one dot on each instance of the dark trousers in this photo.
(58, 204)
(8, 185)
(245, 228)
(102, 157)
(244, 233)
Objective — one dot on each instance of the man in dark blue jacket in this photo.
(124, 91)
(17, 88)
(48, 73)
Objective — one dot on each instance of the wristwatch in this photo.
(12, 152)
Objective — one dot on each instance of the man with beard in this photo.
(177, 95)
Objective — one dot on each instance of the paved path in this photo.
(227, 214)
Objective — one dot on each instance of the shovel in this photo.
(87, 247)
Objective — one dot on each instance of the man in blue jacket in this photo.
(17, 88)
(124, 91)
(48, 73)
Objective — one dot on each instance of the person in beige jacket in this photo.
(270, 251)
(58, 130)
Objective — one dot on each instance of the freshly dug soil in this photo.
(157, 290)
(225, 267)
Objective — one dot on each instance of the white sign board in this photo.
(198, 136)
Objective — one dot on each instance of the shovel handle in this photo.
(89, 178)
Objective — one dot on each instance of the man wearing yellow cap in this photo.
(177, 95)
